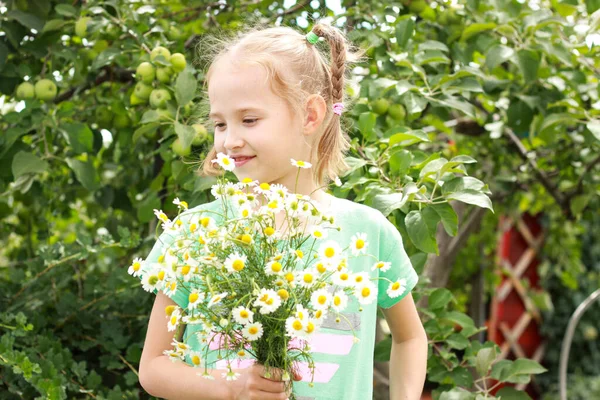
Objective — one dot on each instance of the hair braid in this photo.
(337, 44)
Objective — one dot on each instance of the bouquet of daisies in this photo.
(259, 289)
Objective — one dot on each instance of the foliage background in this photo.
(513, 85)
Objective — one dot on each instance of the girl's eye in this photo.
(250, 120)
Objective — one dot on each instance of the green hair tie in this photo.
(312, 37)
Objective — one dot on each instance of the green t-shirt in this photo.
(344, 369)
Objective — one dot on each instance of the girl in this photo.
(274, 96)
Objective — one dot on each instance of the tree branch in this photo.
(111, 73)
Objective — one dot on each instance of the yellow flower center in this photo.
(299, 253)
(300, 163)
(169, 310)
(329, 252)
(289, 277)
(380, 265)
(321, 268)
(173, 320)
(246, 238)
(297, 325)
(184, 204)
(310, 327)
(193, 227)
(360, 244)
(161, 258)
(395, 286)
(318, 234)
(265, 186)
(273, 204)
(253, 330)
(244, 314)
(269, 301)
(226, 161)
(201, 240)
(195, 360)
(238, 265)
(136, 266)
(358, 279)
(161, 275)
(322, 299)
(193, 297)
(217, 299)
(269, 231)
(205, 221)
(153, 280)
(241, 353)
(337, 300)
(365, 292)
(247, 180)
(163, 217)
(318, 314)
(344, 276)
(264, 297)
(185, 269)
(283, 294)
(308, 278)
(245, 213)
(276, 267)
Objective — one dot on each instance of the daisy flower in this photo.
(180, 346)
(216, 299)
(382, 266)
(279, 190)
(330, 251)
(297, 254)
(301, 313)
(306, 278)
(339, 301)
(150, 281)
(217, 191)
(173, 355)
(310, 328)
(318, 232)
(294, 327)
(301, 164)
(246, 210)
(342, 278)
(195, 358)
(253, 331)
(161, 215)
(206, 375)
(242, 315)
(185, 271)
(247, 182)
(208, 223)
(268, 300)
(235, 262)
(273, 268)
(358, 244)
(195, 298)
(136, 267)
(320, 299)
(224, 162)
(366, 292)
(174, 320)
(321, 267)
(181, 204)
(397, 288)
(319, 316)
(275, 204)
(359, 278)
(230, 376)
(263, 188)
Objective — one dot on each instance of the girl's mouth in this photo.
(242, 160)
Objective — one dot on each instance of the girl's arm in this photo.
(161, 377)
(408, 359)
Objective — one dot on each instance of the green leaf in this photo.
(474, 29)
(413, 102)
(80, 137)
(150, 116)
(85, 173)
(458, 318)
(144, 130)
(185, 87)
(3, 55)
(404, 30)
(510, 393)
(354, 164)
(448, 217)
(432, 167)
(525, 366)
(53, 25)
(419, 233)
(457, 394)
(433, 45)
(461, 183)
(457, 341)
(431, 57)
(464, 159)
(483, 361)
(383, 349)
(28, 20)
(594, 127)
(27, 163)
(458, 104)
(106, 57)
(471, 196)
(439, 298)
(400, 162)
(66, 10)
(552, 120)
(529, 63)
(405, 138)
(185, 134)
(366, 124)
(497, 55)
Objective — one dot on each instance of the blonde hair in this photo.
(281, 50)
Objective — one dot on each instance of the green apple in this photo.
(159, 98)
(165, 114)
(177, 62)
(164, 74)
(45, 90)
(25, 91)
(201, 134)
(121, 121)
(179, 149)
(81, 26)
(145, 72)
(380, 106)
(100, 45)
(104, 116)
(416, 6)
(397, 112)
(142, 90)
(160, 51)
(174, 33)
(134, 100)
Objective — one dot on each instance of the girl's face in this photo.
(250, 120)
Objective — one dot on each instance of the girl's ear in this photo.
(315, 110)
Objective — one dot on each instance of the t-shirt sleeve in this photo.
(391, 249)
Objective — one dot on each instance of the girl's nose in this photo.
(232, 139)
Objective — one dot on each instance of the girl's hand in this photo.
(252, 385)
